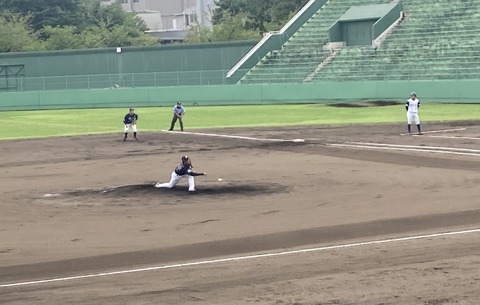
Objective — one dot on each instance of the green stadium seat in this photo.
(304, 49)
(437, 40)
(429, 42)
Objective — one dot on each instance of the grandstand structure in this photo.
(331, 50)
(432, 40)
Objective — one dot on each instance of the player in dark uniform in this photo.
(184, 169)
(130, 121)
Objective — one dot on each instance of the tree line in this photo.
(27, 25)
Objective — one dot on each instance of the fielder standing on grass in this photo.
(412, 106)
(130, 121)
(184, 169)
(178, 112)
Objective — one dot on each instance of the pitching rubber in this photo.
(298, 140)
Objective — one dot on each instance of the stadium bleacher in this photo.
(304, 50)
(435, 40)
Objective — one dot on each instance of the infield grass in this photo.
(47, 123)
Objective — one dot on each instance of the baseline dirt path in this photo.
(76, 206)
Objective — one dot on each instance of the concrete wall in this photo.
(465, 91)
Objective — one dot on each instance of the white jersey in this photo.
(413, 105)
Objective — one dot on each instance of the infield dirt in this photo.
(72, 206)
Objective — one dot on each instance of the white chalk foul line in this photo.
(242, 258)
(439, 131)
(234, 136)
(454, 137)
(406, 149)
(445, 130)
(417, 146)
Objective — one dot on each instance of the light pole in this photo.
(200, 13)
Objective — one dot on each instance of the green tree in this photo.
(69, 24)
(261, 14)
(278, 24)
(46, 12)
(93, 13)
(104, 35)
(16, 35)
(284, 10)
(113, 27)
(61, 38)
(102, 26)
(232, 28)
(95, 36)
(198, 33)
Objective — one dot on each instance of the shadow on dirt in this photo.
(366, 104)
(385, 103)
(148, 190)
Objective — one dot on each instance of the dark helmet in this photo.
(185, 159)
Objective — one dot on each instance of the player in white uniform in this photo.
(412, 106)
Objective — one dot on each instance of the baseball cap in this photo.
(184, 158)
(413, 93)
(131, 108)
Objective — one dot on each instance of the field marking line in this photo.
(446, 130)
(438, 131)
(417, 146)
(454, 137)
(406, 149)
(232, 136)
(243, 258)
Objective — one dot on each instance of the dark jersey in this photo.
(185, 169)
(130, 118)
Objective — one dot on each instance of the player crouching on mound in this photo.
(184, 169)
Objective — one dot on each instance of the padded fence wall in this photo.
(459, 91)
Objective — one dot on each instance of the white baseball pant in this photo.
(128, 126)
(412, 117)
(174, 180)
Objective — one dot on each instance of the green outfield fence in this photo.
(104, 81)
(204, 78)
(463, 91)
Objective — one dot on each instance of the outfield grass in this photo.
(47, 123)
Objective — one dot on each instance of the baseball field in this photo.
(357, 213)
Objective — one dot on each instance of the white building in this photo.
(168, 20)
